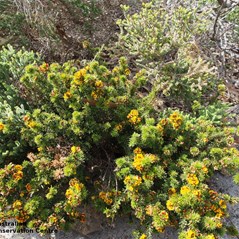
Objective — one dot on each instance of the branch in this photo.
(215, 23)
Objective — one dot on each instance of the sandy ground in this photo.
(123, 229)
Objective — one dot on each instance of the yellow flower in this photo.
(137, 181)
(115, 70)
(172, 191)
(149, 210)
(185, 190)
(192, 179)
(18, 167)
(138, 166)
(143, 236)
(176, 120)
(79, 76)
(138, 162)
(119, 127)
(73, 182)
(219, 213)
(106, 197)
(205, 169)
(213, 194)
(52, 219)
(2, 126)
(170, 205)
(67, 95)
(127, 71)
(69, 193)
(219, 225)
(152, 158)
(191, 235)
(26, 117)
(99, 84)
(94, 95)
(210, 236)
(78, 186)
(174, 116)
(133, 117)
(163, 122)
(28, 187)
(40, 149)
(44, 67)
(127, 179)
(18, 175)
(197, 193)
(159, 128)
(131, 188)
(137, 150)
(222, 204)
(160, 229)
(132, 182)
(75, 149)
(164, 215)
(31, 124)
(22, 217)
(17, 204)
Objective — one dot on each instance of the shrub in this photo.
(12, 64)
(81, 120)
(162, 40)
(82, 125)
(166, 177)
(12, 106)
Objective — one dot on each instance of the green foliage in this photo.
(11, 147)
(67, 131)
(12, 106)
(12, 64)
(81, 122)
(161, 41)
(81, 119)
(156, 32)
(165, 179)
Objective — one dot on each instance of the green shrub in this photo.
(12, 64)
(166, 177)
(162, 40)
(82, 120)
(78, 135)
(12, 105)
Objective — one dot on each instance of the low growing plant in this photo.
(166, 178)
(91, 136)
(82, 119)
(162, 40)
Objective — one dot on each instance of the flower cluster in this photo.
(18, 174)
(176, 120)
(192, 179)
(79, 76)
(138, 160)
(108, 197)
(179, 170)
(132, 182)
(133, 117)
(75, 193)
